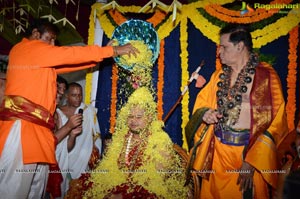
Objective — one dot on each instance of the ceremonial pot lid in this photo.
(139, 30)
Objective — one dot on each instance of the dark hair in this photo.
(42, 26)
(238, 33)
(61, 80)
(75, 84)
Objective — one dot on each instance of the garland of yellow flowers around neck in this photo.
(110, 174)
(230, 98)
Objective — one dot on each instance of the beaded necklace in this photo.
(132, 151)
(229, 99)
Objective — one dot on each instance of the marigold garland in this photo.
(218, 61)
(157, 18)
(166, 28)
(113, 104)
(89, 74)
(117, 17)
(184, 77)
(106, 24)
(224, 14)
(165, 184)
(275, 30)
(232, 16)
(261, 37)
(160, 82)
(292, 77)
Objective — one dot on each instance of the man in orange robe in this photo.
(27, 144)
(243, 122)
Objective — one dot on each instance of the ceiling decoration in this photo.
(15, 17)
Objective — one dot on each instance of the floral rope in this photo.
(157, 18)
(184, 77)
(160, 82)
(275, 30)
(232, 16)
(89, 74)
(117, 17)
(218, 61)
(113, 104)
(164, 26)
(208, 29)
(292, 77)
(261, 36)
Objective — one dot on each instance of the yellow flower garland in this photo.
(232, 16)
(184, 77)
(89, 74)
(108, 175)
(261, 36)
(273, 31)
(155, 19)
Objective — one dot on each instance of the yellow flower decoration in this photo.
(167, 183)
(143, 59)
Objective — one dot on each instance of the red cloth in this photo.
(54, 180)
(32, 70)
(138, 192)
(21, 108)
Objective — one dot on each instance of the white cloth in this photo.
(16, 179)
(76, 162)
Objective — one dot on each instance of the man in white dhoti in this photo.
(2, 85)
(76, 151)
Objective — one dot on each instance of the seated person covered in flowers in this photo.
(140, 162)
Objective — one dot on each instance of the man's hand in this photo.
(211, 116)
(126, 49)
(76, 131)
(245, 179)
(75, 121)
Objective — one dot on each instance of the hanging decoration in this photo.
(114, 96)
(160, 82)
(19, 12)
(176, 5)
(292, 76)
(209, 17)
(112, 5)
(154, 4)
(77, 10)
(65, 20)
(184, 76)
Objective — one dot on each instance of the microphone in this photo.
(80, 111)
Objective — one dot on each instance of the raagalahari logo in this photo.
(246, 8)
(277, 6)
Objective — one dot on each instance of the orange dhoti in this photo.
(268, 127)
(222, 182)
